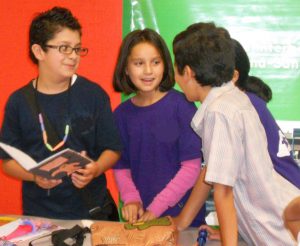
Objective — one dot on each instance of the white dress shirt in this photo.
(236, 155)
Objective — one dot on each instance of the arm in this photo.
(223, 197)
(127, 188)
(108, 144)
(292, 216)
(194, 203)
(106, 160)
(133, 206)
(13, 169)
(176, 188)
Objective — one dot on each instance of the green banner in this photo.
(268, 30)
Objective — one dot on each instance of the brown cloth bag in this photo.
(157, 232)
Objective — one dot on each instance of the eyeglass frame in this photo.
(76, 49)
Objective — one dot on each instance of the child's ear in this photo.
(187, 71)
(235, 76)
(37, 51)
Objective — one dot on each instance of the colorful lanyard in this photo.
(42, 125)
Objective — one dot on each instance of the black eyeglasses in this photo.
(67, 49)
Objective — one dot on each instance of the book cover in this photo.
(22, 230)
(60, 164)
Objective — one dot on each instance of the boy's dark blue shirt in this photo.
(92, 129)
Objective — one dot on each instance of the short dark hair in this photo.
(209, 52)
(246, 82)
(121, 81)
(46, 24)
(242, 63)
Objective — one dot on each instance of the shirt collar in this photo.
(213, 94)
(73, 79)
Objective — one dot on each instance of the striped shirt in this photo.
(235, 151)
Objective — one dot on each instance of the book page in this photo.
(22, 158)
(61, 164)
(56, 166)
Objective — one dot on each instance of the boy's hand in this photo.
(46, 183)
(132, 211)
(213, 234)
(83, 176)
(148, 215)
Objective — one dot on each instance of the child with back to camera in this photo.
(259, 94)
(248, 192)
(161, 158)
(79, 117)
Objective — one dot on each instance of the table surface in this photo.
(187, 237)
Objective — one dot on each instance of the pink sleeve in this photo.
(126, 187)
(177, 187)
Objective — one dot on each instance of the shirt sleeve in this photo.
(177, 187)
(127, 189)
(10, 130)
(223, 151)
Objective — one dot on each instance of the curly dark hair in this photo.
(208, 51)
(46, 24)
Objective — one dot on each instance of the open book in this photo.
(56, 166)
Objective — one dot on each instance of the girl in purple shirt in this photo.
(161, 159)
(259, 94)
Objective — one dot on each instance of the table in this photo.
(187, 237)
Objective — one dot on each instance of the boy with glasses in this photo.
(77, 115)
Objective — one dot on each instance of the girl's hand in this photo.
(46, 183)
(132, 211)
(148, 215)
(213, 234)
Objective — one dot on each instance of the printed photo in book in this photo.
(56, 166)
